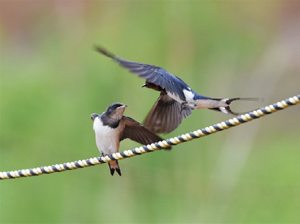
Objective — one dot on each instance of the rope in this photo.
(154, 146)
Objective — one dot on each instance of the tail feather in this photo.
(224, 106)
(114, 166)
(225, 110)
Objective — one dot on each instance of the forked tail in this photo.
(223, 104)
(114, 166)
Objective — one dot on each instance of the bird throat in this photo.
(110, 122)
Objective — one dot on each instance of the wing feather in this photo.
(166, 115)
(152, 74)
(137, 132)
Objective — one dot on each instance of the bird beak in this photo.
(119, 112)
(144, 85)
(124, 106)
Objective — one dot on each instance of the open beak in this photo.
(124, 106)
(119, 111)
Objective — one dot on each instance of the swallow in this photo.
(176, 100)
(112, 126)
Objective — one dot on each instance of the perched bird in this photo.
(111, 127)
(176, 100)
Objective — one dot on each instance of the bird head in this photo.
(115, 111)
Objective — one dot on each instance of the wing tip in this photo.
(103, 51)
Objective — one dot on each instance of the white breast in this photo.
(107, 139)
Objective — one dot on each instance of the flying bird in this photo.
(111, 127)
(176, 100)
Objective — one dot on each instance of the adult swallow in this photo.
(111, 127)
(176, 100)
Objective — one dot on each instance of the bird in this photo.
(176, 100)
(112, 126)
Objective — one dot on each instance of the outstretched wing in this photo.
(152, 74)
(166, 115)
(137, 132)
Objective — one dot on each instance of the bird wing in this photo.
(152, 74)
(166, 115)
(137, 132)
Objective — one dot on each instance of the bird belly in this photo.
(107, 139)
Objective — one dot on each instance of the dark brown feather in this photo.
(166, 115)
(137, 132)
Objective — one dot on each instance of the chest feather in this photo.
(107, 138)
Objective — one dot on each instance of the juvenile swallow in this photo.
(176, 100)
(111, 127)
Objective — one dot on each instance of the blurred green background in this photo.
(52, 80)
